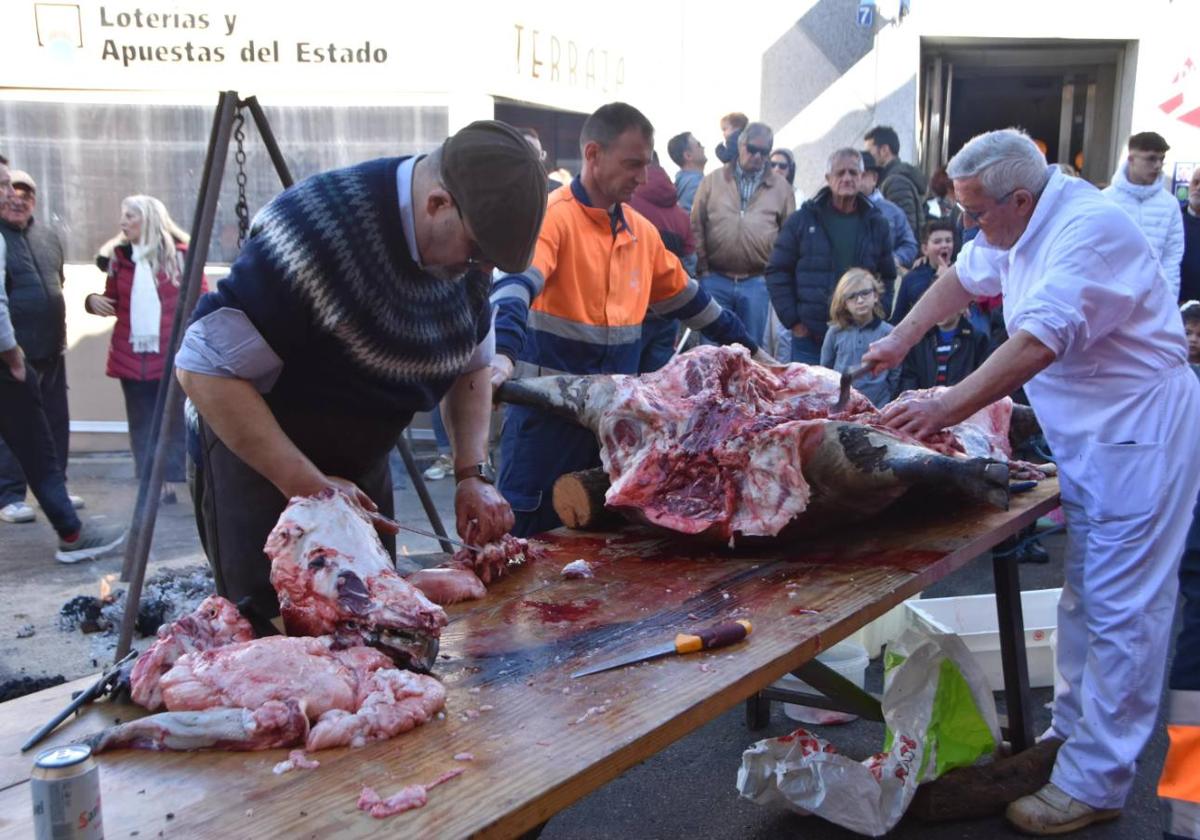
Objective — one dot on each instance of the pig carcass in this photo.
(333, 681)
(333, 578)
(717, 445)
(280, 691)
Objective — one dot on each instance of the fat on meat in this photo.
(716, 444)
(334, 578)
(448, 586)
(246, 695)
(493, 561)
(215, 623)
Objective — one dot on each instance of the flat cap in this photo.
(498, 182)
(21, 178)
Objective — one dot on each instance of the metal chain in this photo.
(242, 209)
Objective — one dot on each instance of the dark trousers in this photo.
(1185, 670)
(139, 409)
(52, 385)
(236, 508)
(24, 427)
(535, 449)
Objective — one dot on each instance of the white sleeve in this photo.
(1172, 257)
(1079, 300)
(981, 268)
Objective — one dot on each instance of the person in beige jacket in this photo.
(737, 213)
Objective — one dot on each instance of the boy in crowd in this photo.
(948, 354)
(937, 252)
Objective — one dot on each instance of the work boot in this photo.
(91, 541)
(1052, 811)
(985, 790)
(17, 512)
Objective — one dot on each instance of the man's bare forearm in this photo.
(1013, 364)
(945, 297)
(467, 413)
(240, 417)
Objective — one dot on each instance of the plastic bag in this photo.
(940, 714)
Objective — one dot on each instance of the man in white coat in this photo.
(1138, 190)
(1098, 344)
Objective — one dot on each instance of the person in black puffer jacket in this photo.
(836, 229)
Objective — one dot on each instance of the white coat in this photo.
(1156, 212)
(1118, 407)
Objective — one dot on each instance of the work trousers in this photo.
(1116, 612)
(236, 508)
(24, 427)
(52, 388)
(1179, 786)
(535, 449)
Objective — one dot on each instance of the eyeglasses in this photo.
(860, 295)
(779, 164)
(476, 259)
(757, 150)
(977, 217)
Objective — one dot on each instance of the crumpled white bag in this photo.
(935, 698)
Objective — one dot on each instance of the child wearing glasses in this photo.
(855, 320)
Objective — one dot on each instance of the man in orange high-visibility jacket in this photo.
(1179, 786)
(597, 269)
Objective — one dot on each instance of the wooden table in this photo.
(541, 740)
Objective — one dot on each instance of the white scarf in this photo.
(145, 309)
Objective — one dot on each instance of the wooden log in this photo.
(579, 500)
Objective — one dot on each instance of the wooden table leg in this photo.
(1012, 652)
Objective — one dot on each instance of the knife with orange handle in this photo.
(717, 636)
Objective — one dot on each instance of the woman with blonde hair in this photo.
(855, 320)
(142, 290)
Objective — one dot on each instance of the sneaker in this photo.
(1052, 811)
(92, 541)
(17, 512)
(439, 469)
(77, 502)
(168, 496)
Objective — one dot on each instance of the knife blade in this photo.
(717, 636)
(434, 536)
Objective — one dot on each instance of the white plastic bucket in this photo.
(847, 658)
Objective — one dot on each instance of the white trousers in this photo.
(1116, 612)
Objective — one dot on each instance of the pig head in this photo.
(333, 578)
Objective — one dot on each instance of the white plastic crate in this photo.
(973, 618)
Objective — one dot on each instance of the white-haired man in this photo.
(1099, 346)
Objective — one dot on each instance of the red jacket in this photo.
(123, 363)
(656, 200)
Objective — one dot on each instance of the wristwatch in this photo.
(483, 471)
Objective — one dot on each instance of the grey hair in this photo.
(846, 152)
(755, 129)
(1003, 160)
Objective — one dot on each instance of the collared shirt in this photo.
(225, 343)
(747, 182)
(616, 217)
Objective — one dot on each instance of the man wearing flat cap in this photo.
(360, 298)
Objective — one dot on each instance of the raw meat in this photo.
(495, 558)
(276, 723)
(407, 798)
(334, 578)
(296, 760)
(718, 445)
(235, 697)
(215, 623)
(448, 586)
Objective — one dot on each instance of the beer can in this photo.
(66, 794)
